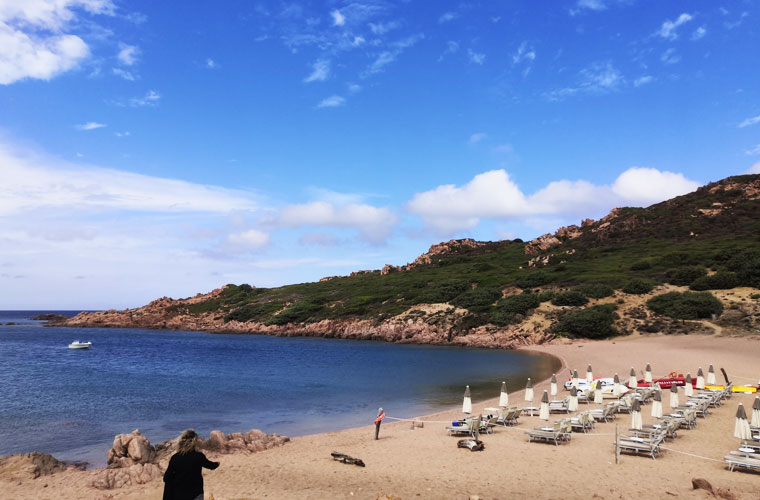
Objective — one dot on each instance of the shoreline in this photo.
(425, 463)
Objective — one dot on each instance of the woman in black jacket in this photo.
(184, 477)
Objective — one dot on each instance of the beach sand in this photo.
(425, 462)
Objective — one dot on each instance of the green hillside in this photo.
(707, 239)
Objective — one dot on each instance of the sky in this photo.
(149, 149)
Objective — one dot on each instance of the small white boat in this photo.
(80, 345)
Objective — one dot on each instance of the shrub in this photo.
(593, 322)
(469, 321)
(518, 304)
(253, 311)
(747, 268)
(638, 286)
(533, 280)
(478, 299)
(295, 313)
(718, 281)
(595, 290)
(571, 298)
(547, 295)
(686, 305)
(442, 292)
(685, 275)
(641, 265)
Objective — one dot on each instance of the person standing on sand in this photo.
(184, 477)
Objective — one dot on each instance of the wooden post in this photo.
(617, 443)
(477, 428)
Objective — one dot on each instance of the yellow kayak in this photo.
(736, 388)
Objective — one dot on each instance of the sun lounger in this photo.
(637, 444)
(559, 406)
(583, 422)
(609, 412)
(745, 461)
(467, 427)
(509, 416)
(488, 424)
(558, 433)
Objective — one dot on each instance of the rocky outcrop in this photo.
(29, 466)
(542, 243)
(132, 460)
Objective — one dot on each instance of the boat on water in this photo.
(80, 345)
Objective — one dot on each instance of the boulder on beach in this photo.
(29, 466)
(130, 449)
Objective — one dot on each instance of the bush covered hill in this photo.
(591, 280)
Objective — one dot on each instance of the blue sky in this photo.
(147, 150)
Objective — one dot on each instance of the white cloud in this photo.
(333, 101)
(246, 241)
(670, 56)
(122, 134)
(592, 4)
(374, 224)
(504, 148)
(318, 239)
(34, 40)
(698, 33)
(358, 40)
(476, 57)
(754, 151)
(598, 78)
(493, 195)
(210, 63)
(754, 169)
(638, 82)
(383, 28)
(388, 56)
(32, 183)
(668, 28)
(91, 126)
(354, 88)
(338, 18)
(320, 71)
(127, 75)
(446, 17)
(524, 53)
(750, 121)
(477, 137)
(128, 54)
(150, 99)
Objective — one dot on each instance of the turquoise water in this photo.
(72, 403)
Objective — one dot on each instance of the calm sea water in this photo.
(71, 403)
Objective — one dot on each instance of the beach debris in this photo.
(346, 459)
(472, 444)
(417, 423)
(703, 484)
(387, 496)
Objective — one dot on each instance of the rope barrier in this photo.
(691, 454)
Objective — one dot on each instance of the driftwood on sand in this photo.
(340, 457)
(472, 444)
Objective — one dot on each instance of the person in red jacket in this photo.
(183, 479)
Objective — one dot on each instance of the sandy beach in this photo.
(426, 463)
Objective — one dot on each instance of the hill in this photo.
(591, 280)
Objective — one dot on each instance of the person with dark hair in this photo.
(184, 476)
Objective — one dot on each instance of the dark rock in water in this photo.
(11, 323)
(50, 317)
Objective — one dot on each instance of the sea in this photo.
(71, 403)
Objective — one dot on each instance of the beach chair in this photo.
(640, 444)
(559, 432)
(559, 406)
(609, 412)
(509, 416)
(490, 423)
(467, 427)
(743, 460)
(583, 422)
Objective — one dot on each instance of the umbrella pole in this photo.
(617, 444)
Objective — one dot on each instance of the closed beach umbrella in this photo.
(529, 391)
(741, 428)
(467, 403)
(636, 422)
(674, 396)
(589, 375)
(688, 389)
(657, 404)
(575, 378)
(503, 397)
(711, 376)
(553, 385)
(573, 404)
(598, 394)
(700, 379)
(632, 379)
(616, 386)
(756, 412)
(543, 413)
(648, 374)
